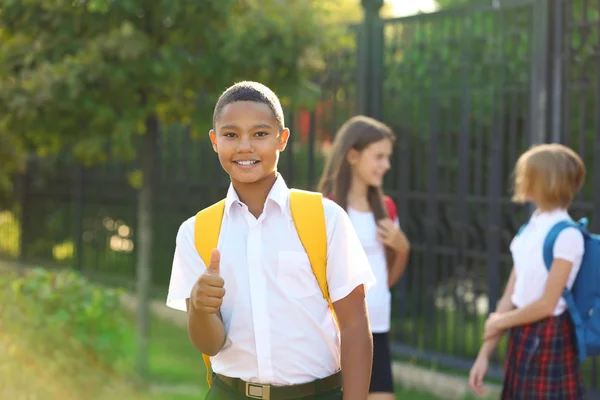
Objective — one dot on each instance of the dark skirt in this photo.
(381, 374)
(542, 362)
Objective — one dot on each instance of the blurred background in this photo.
(104, 112)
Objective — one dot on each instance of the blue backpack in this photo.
(583, 300)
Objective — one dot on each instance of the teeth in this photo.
(246, 162)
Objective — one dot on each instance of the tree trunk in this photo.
(144, 243)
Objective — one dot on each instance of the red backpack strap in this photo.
(391, 207)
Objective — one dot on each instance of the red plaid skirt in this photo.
(542, 363)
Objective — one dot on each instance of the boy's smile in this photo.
(248, 140)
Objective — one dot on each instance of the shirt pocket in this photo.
(295, 275)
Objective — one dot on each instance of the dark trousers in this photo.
(220, 391)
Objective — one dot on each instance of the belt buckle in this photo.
(258, 391)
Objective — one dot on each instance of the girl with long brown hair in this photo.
(353, 176)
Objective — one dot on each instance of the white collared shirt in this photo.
(279, 327)
(527, 253)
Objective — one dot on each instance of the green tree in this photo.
(351, 11)
(444, 4)
(11, 160)
(104, 77)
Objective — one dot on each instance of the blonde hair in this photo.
(549, 175)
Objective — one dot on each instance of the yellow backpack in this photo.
(309, 219)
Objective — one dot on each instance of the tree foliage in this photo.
(84, 73)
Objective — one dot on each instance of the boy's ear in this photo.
(283, 139)
(213, 140)
(352, 157)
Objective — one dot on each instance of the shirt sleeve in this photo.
(187, 267)
(347, 263)
(569, 245)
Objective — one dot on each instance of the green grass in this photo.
(176, 369)
(413, 395)
(174, 363)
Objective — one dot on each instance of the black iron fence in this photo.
(466, 91)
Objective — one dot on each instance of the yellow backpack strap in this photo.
(206, 237)
(309, 218)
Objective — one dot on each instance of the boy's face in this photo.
(248, 141)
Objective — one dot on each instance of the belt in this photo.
(269, 392)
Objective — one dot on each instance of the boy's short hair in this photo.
(250, 91)
(550, 175)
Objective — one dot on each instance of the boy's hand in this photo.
(208, 291)
(390, 235)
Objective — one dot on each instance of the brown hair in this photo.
(549, 175)
(357, 133)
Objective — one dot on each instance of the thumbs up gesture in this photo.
(208, 291)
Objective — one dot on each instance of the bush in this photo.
(58, 324)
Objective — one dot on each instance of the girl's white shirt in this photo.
(379, 297)
(527, 254)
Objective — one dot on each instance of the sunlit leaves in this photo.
(85, 74)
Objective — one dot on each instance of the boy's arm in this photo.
(191, 279)
(206, 331)
(349, 276)
(357, 344)
(205, 324)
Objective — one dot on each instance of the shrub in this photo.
(58, 324)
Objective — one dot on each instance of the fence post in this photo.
(370, 61)
(555, 61)
(539, 117)
(312, 132)
(24, 200)
(77, 215)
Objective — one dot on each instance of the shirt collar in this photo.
(540, 218)
(279, 195)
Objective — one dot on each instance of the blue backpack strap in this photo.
(551, 239)
(548, 259)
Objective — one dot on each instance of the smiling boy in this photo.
(257, 308)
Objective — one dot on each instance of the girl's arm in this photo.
(390, 234)
(504, 305)
(544, 307)
(400, 261)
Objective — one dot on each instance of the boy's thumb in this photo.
(215, 260)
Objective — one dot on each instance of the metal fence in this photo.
(466, 91)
